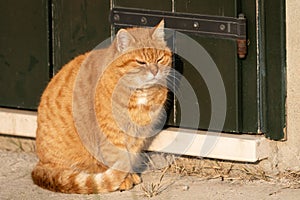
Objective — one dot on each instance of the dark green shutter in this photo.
(38, 37)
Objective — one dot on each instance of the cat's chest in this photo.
(142, 99)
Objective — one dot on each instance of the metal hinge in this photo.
(216, 26)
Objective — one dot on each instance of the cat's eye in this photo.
(141, 62)
(160, 59)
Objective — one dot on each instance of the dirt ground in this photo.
(18, 158)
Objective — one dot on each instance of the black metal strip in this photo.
(218, 26)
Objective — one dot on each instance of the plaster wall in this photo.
(286, 155)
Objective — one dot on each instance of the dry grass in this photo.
(207, 169)
(18, 144)
(154, 189)
(290, 178)
(216, 169)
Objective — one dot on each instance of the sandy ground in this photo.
(16, 183)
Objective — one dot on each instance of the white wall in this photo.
(286, 155)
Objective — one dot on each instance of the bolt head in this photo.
(196, 25)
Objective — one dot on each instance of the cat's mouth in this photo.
(147, 86)
(151, 83)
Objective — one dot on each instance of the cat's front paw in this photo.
(130, 181)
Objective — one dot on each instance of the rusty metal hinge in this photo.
(216, 26)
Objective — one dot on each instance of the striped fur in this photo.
(128, 105)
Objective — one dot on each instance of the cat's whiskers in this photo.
(173, 83)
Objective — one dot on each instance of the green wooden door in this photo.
(38, 37)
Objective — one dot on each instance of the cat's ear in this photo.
(124, 39)
(159, 31)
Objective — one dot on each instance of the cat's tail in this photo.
(70, 181)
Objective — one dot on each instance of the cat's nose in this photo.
(154, 69)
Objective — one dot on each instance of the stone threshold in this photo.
(234, 147)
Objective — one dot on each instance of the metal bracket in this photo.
(216, 26)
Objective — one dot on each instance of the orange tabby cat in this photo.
(100, 111)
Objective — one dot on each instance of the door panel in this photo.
(78, 27)
(24, 52)
(228, 71)
(224, 54)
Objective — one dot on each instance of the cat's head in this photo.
(149, 58)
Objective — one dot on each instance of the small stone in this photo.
(185, 188)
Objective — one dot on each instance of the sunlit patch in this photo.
(142, 100)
